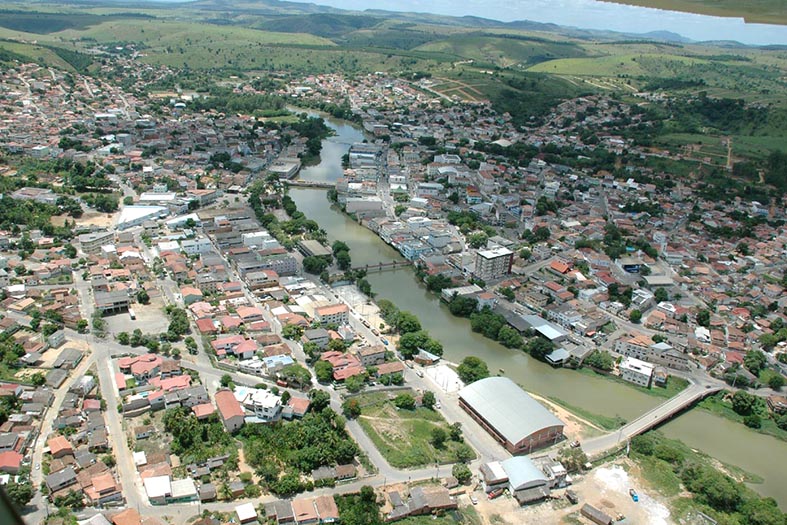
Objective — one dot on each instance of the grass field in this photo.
(36, 54)
(403, 437)
(753, 11)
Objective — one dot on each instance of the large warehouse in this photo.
(515, 420)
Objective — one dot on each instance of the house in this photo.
(230, 410)
(338, 314)
(10, 461)
(372, 356)
(190, 294)
(318, 336)
(61, 479)
(59, 446)
(246, 513)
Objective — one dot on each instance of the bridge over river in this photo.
(650, 419)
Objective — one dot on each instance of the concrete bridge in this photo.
(382, 266)
(308, 183)
(649, 420)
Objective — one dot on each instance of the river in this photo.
(725, 440)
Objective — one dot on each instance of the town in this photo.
(182, 341)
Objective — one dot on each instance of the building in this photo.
(520, 475)
(635, 371)
(642, 347)
(111, 302)
(91, 243)
(337, 314)
(516, 420)
(158, 489)
(264, 404)
(230, 410)
(493, 263)
(311, 248)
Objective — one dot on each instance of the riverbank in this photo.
(717, 406)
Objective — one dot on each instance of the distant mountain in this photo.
(666, 36)
(330, 22)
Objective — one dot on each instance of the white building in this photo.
(635, 371)
(493, 263)
(196, 246)
(264, 404)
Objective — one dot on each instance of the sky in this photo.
(586, 14)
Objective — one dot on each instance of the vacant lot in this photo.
(404, 437)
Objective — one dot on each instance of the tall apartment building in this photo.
(493, 263)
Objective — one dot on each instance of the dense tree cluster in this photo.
(280, 452)
(195, 440)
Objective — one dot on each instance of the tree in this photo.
(404, 402)
(143, 297)
(355, 383)
(635, 316)
(38, 379)
(407, 322)
(343, 260)
(477, 240)
(365, 287)
(755, 361)
(776, 381)
(82, 326)
(438, 437)
(428, 399)
(410, 343)
(437, 282)
(661, 295)
(509, 337)
(462, 473)
(123, 338)
(507, 292)
(471, 369)
(319, 400)
(324, 371)
(226, 380)
(351, 408)
(539, 347)
(743, 403)
(752, 421)
(314, 265)
(292, 332)
(19, 493)
(337, 345)
(703, 318)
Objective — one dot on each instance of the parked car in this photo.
(473, 499)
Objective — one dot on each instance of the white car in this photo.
(437, 405)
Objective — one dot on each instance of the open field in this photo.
(753, 11)
(403, 437)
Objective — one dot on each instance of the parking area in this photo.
(150, 318)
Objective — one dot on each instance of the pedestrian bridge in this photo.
(649, 419)
(308, 183)
(382, 266)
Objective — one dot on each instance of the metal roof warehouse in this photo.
(516, 420)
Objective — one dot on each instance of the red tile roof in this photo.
(227, 404)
